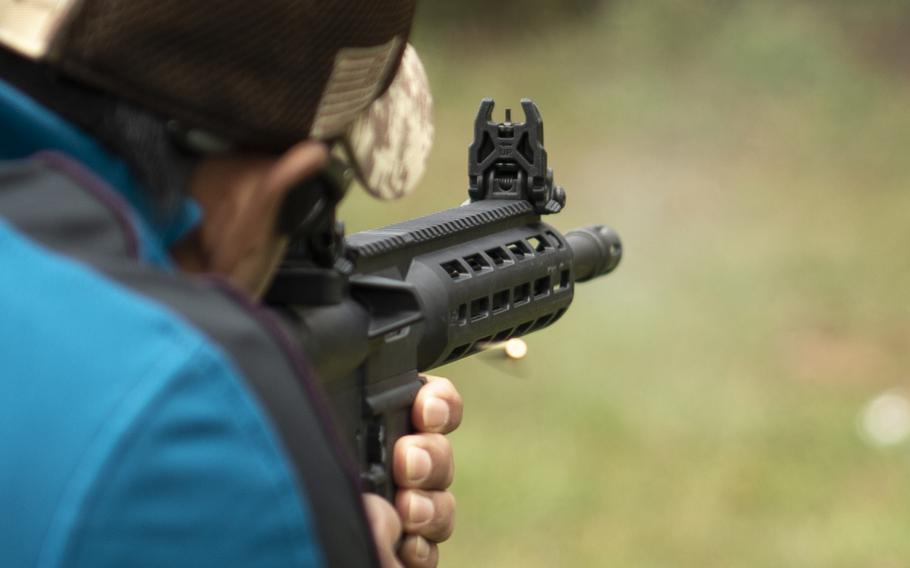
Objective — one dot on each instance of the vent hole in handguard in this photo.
(542, 287)
(519, 249)
(480, 308)
(500, 301)
(539, 243)
(455, 269)
(522, 294)
(478, 263)
(499, 256)
(460, 315)
(565, 281)
(554, 240)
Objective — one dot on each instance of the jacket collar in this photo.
(29, 128)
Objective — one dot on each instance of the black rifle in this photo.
(376, 308)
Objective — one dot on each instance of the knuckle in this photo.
(442, 525)
(445, 522)
(424, 461)
(450, 471)
(442, 389)
(447, 390)
(436, 524)
(441, 386)
(409, 440)
(419, 510)
(417, 552)
(437, 440)
(431, 378)
(444, 384)
(444, 465)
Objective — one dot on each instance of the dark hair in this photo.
(138, 136)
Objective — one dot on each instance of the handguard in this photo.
(406, 298)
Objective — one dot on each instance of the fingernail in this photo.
(421, 548)
(435, 414)
(417, 464)
(420, 510)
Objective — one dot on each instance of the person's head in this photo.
(218, 97)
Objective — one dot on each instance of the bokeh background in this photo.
(707, 405)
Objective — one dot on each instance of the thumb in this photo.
(386, 527)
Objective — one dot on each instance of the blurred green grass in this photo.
(697, 408)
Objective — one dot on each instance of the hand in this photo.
(423, 469)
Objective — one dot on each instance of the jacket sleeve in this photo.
(196, 479)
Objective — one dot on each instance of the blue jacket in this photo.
(146, 419)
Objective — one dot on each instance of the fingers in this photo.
(423, 467)
(430, 514)
(423, 461)
(438, 407)
(416, 552)
(386, 526)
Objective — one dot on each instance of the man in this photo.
(151, 413)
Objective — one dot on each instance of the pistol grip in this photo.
(387, 408)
